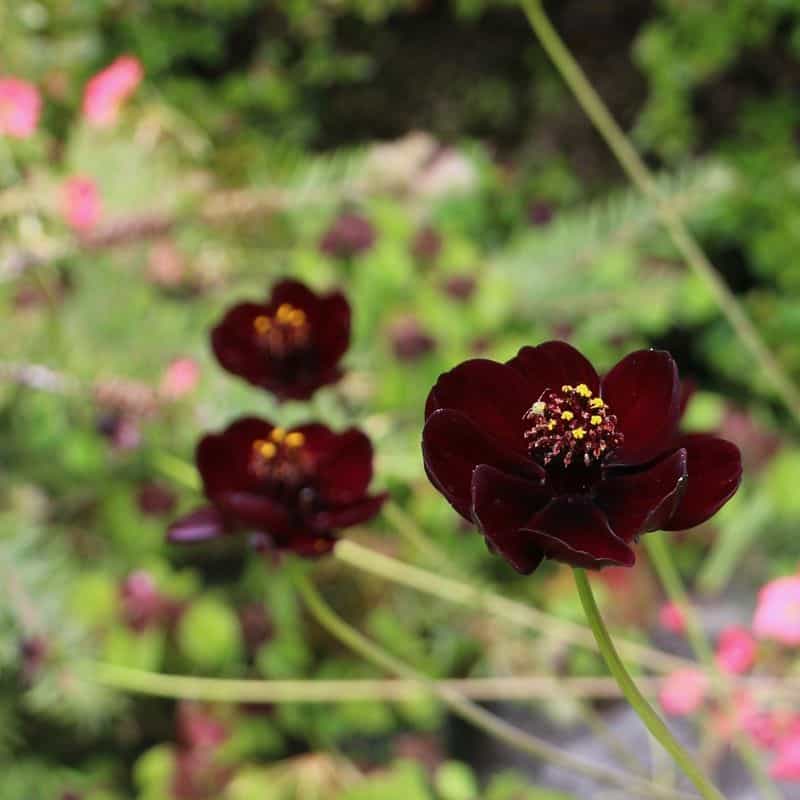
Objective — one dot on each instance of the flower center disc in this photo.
(284, 332)
(571, 424)
(279, 458)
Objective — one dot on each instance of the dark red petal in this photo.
(714, 468)
(452, 446)
(308, 546)
(320, 441)
(550, 365)
(577, 533)
(332, 329)
(198, 526)
(255, 511)
(492, 395)
(643, 391)
(295, 294)
(223, 459)
(234, 344)
(345, 472)
(352, 514)
(501, 505)
(640, 501)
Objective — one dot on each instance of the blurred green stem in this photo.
(661, 557)
(645, 711)
(482, 719)
(637, 171)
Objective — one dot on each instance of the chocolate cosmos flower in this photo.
(290, 345)
(550, 460)
(295, 488)
(348, 236)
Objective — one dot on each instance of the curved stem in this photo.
(462, 593)
(645, 711)
(473, 713)
(637, 171)
(664, 564)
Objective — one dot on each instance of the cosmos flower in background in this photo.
(20, 107)
(671, 618)
(295, 489)
(683, 692)
(108, 90)
(180, 378)
(82, 205)
(350, 235)
(777, 614)
(291, 344)
(548, 460)
(736, 650)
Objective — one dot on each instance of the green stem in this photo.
(661, 559)
(646, 713)
(637, 171)
(486, 721)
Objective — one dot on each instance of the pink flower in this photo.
(736, 650)
(683, 691)
(778, 611)
(786, 765)
(180, 378)
(743, 715)
(81, 203)
(107, 91)
(20, 105)
(671, 618)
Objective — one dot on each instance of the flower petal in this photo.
(345, 470)
(347, 515)
(332, 329)
(635, 502)
(452, 446)
(234, 344)
(492, 395)
(295, 294)
(553, 364)
(198, 526)
(643, 391)
(501, 505)
(255, 511)
(224, 459)
(714, 468)
(577, 533)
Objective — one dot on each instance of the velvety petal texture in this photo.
(292, 489)
(548, 460)
(290, 344)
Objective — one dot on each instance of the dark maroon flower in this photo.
(426, 245)
(155, 499)
(409, 339)
(295, 488)
(540, 213)
(142, 605)
(290, 345)
(551, 461)
(348, 236)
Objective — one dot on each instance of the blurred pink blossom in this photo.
(742, 715)
(786, 765)
(180, 378)
(671, 618)
(778, 611)
(82, 204)
(736, 650)
(683, 691)
(20, 105)
(109, 89)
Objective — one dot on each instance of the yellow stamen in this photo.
(579, 433)
(538, 407)
(278, 435)
(265, 449)
(297, 318)
(567, 415)
(284, 312)
(566, 388)
(583, 390)
(596, 419)
(295, 439)
(596, 402)
(551, 424)
(262, 324)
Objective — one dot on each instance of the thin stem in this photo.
(637, 171)
(646, 713)
(478, 716)
(462, 593)
(664, 564)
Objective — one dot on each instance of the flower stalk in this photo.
(640, 705)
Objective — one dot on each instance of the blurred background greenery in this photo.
(501, 220)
